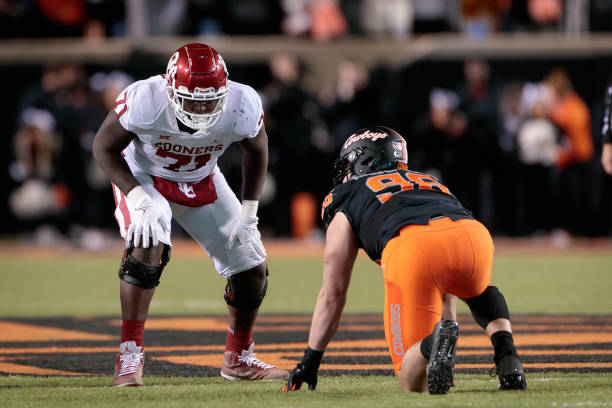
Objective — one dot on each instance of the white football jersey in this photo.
(163, 150)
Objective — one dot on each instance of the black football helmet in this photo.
(369, 150)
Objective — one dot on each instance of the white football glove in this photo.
(148, 221)
(245, 229)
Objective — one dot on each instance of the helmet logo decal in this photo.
(365, 135)
(172, 68)
(399, 150)
(220, 58)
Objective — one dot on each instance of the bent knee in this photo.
(151, 255)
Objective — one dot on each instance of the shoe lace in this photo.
(251, 360)
(130, 362)
(493, 372)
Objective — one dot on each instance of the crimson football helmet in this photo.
(197, 73)
(369, 150)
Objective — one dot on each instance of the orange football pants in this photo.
(421, 264)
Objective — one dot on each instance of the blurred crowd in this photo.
(318, 19)
(520, 155)
(518, 148)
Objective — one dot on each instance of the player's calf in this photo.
(490, 311)
(245, 292)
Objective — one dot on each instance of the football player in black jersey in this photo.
(428, 245)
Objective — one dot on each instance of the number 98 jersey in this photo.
(379, 205)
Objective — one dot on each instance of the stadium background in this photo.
(324, 68)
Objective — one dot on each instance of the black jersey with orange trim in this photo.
(378, 205)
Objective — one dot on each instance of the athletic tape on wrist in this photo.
(249, 208)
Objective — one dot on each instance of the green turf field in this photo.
(84, 285)
(81, 285)
(545, 390)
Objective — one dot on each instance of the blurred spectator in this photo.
(12, 16)
(435, 16)
(66, 18)
(36, 146)
(545, 13)
(40, 197)
(63, 18)
(387, 17)
(96, 201)
(569, 112)
(537, 152)
(351, 104)
(600, 15)
(291, 118)
(479, 97)
(509, 184)
(483, 17)
(204, 17)
(431, 143)
(105, 18)
(166, 17)
(64, 93)
(320, 19)
(537, 137)
(251, 16)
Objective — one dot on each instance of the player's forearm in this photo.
(325, 319)
(116, 169)
(254, 166)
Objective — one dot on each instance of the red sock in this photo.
(238, 340)
(132, 330)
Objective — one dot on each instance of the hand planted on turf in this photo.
(298, 376)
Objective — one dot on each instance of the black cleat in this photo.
(442, 359)
(511, 374)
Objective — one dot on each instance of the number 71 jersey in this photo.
(379, 205)
(162, 149)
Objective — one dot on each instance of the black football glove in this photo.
(298, 376)
(305, 371)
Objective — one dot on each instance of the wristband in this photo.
(312, 359)
(137, 196)
(249, 208)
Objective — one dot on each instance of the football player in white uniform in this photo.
(159, 147)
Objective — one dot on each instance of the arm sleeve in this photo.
(606, 132)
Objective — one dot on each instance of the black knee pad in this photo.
(488, 306)
(139, 274)
(243, 297)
